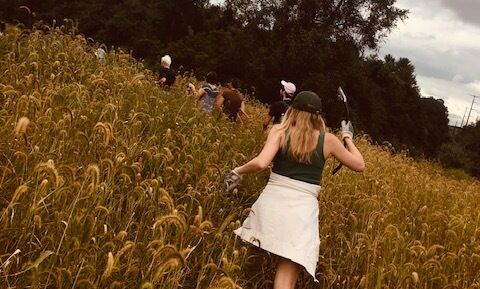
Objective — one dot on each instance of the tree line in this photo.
(317, 44)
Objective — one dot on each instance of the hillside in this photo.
(115, 183)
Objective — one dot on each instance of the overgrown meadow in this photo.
(108, 181)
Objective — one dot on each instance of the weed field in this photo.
(108, 181)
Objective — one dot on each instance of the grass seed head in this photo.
(109, 266)
(21, 127)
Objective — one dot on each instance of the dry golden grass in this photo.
(106, 181)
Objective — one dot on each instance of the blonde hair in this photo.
(299, 129)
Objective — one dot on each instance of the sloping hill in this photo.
(111, 182)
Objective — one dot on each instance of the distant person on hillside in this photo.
(279, 108)
(100, 54)
(284, 219)
(166, 75)
(3, 27)
(231, 101)
(208, 93)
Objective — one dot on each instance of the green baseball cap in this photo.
(308, 101)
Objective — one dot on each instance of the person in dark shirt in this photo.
(232, 101)
(166, 74)
(278, 108)
(3, 27)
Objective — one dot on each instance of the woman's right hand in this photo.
(231, 181)
(346, 129)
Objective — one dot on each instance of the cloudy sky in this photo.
(442, 39)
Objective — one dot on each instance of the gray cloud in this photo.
(466, 10)
(459, 65)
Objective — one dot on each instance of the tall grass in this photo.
(107, 181)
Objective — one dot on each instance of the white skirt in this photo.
(284, 221)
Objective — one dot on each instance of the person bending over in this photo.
(279, 108)
(232, 102)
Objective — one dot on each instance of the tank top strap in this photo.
(321, 140)
(320, 143)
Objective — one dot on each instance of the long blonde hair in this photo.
(299, 129)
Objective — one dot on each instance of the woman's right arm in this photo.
(265, 157)
(350, 156)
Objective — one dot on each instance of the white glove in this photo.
(347, 129)
(231, 181)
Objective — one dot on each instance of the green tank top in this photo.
(285, 165)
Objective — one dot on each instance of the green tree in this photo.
(463, 151)
(365, 21)
(434, 124)
(454, 155)
(470, 139)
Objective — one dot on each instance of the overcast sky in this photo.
(442, 39)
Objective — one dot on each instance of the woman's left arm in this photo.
(265, 157)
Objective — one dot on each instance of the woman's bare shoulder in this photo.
(276, 132)
(331, 138)
(329, 135)
(276, 127)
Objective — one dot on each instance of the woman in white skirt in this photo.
(284, 219)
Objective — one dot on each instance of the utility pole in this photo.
(471, 107)
(463, 118)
